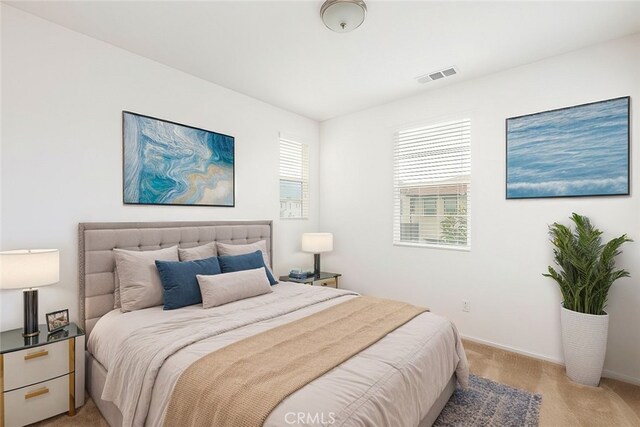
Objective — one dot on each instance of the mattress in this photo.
(393, 382)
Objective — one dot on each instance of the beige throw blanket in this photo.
(239, 385)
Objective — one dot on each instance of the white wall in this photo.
(62, 97)
(511, 303)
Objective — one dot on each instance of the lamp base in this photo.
(316, 265)
(30, 299)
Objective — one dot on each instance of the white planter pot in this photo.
(584, 343)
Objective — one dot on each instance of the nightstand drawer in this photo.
(33, 365)
(34, 403)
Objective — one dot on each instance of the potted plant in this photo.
(587, 271)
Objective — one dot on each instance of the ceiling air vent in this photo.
(437, 75)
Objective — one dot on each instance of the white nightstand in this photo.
(40, 376)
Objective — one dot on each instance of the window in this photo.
(294, 179)
(423, 205)
(450, 205)
(432, 185)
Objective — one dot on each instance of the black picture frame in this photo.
(124, 160)
(51, 317)
(621, 186)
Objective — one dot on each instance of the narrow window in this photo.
(294, 179)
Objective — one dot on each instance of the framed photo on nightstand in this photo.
(57, 320)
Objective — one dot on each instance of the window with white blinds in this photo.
(432, 185)
(294, 179)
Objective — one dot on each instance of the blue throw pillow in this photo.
(179, 280)
(251, 261)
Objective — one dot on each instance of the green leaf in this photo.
(587, 267)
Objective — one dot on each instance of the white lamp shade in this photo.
(29, 268)
(343, 16)
(317, 242)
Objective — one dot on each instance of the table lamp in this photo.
(26, 270)
(316, 243)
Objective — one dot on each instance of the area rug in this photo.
(488, 403)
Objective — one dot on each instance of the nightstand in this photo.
(40, 376)
(325, 279)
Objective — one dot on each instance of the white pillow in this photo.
(140, 285)
(199, 252)
(227, 249)
(220, 289)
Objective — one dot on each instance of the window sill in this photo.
(433, 246)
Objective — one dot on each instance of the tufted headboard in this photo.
(97, 239)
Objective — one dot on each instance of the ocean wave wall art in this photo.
(167, 163)
(570, 152)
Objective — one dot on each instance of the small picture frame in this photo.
(57, 320)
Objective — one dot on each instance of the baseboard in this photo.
(513, 350)
(605, 373)
(620, 377)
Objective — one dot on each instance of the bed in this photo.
(405, 378)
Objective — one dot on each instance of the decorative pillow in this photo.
(199, 252)
(179, 280)
(116, 291)
(140, 285)
(229, 287)
(227, 249)
(229, 264)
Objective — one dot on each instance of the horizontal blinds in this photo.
(432, 184)
(294, 179)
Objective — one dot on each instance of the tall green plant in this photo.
(587, 266)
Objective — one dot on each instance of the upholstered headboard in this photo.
(97, 240)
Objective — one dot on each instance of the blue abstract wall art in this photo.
(570, 152)
(167, 163)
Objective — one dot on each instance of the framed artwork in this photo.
(570, 152)
(57, 320)
(167, 163)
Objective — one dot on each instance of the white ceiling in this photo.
(281, 53)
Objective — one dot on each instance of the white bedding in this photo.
(394, 382)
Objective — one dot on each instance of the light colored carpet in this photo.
(488, 403)
(87, 416)
(564, 403)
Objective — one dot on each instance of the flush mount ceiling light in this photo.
(343, 16)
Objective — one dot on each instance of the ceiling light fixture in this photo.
(343, 16)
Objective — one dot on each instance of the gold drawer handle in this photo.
(36, 354)
(38, 392)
